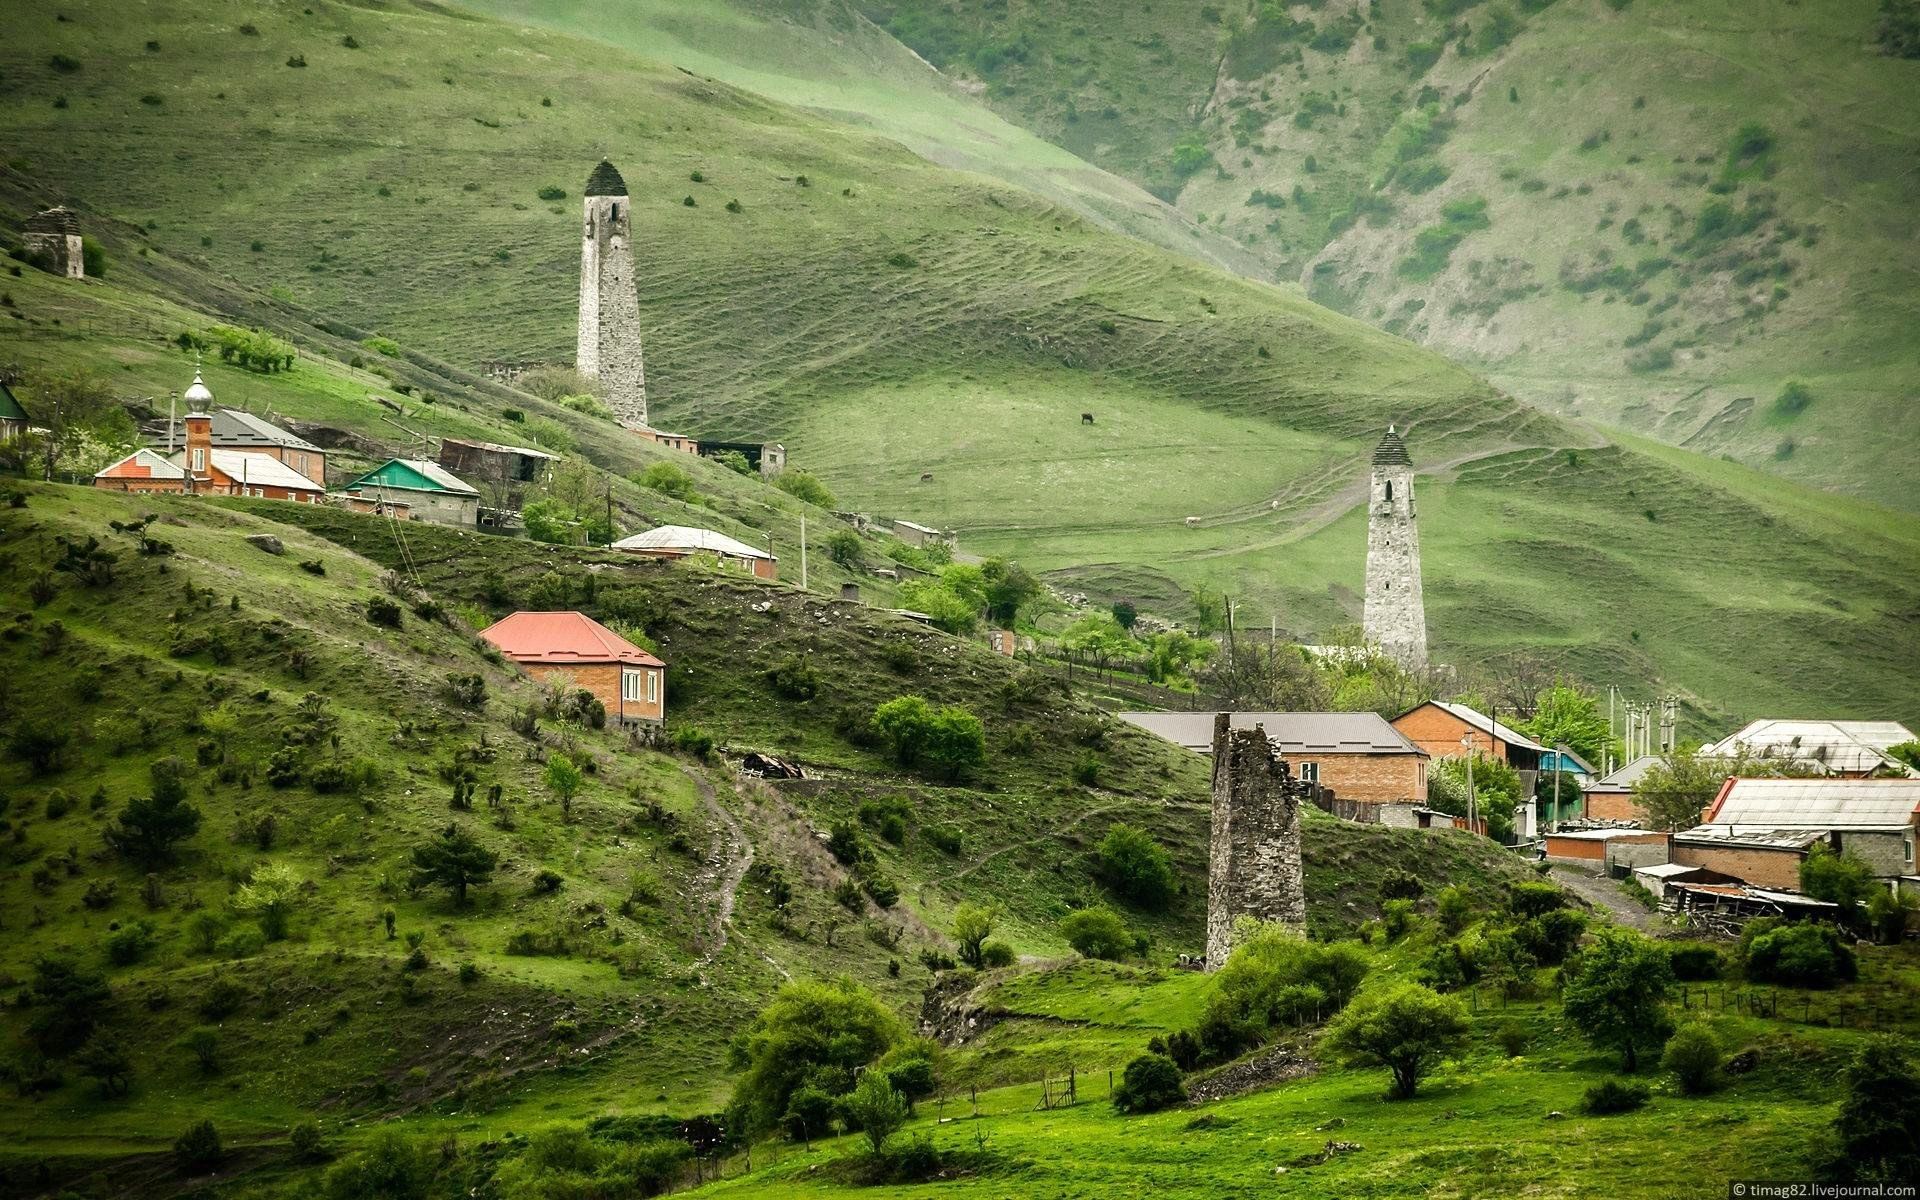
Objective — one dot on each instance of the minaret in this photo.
(609, 346)
(1395, 617)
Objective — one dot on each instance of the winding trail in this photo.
(1605, 895)
(727, 865)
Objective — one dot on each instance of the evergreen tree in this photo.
(454, 861)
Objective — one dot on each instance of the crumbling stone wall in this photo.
(1254, 863)
(609, 342)
(53, 236)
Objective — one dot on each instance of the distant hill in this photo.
(1685, 218)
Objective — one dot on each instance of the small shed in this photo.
(1658, 877)
(685, 541)
(574, 648)
(13, 417)
(431, 492)
(1597, 847)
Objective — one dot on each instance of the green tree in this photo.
(1009, 589)
(454, 861)
(902, 723)
(804, 486)
(564, 779)
(150, 826)
(876, 1109)
(947, 609)
(1839, 879)
(1676, 790)
(972, 926)
(1098, 933)
(812, 1035)
(1408, 1029)
(1567, 716)
(103, 1059)
(1616, 994)
(669, 479)
(68, 1000)
(391, 1166)
(1890, 912)
(1098, 639)
(843, 547)
(1495, 791)
(1906, 752)
(1173, 656)
(270, 897)
(1209, 612)
(1878, 1126)
(1136, 866)
(1125, 613)
(1151, 1082)
(956, 743)
(1693, 1056)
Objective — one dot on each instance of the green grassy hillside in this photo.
(617, 947)
(1688, 205)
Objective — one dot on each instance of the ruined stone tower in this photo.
(54, 236)
(1253, 867)
(609, 347)
(1395, 616)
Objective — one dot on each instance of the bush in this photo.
(846, 844)
(803, 486)
(1695, 961)
(1551, 936)
(551, 192)
(693, 740)
(1613, 1096)
(1151, 1083)
(1135, 865)
(843, 547)
(1803, 955)
(1513, 1037)
(391, 1167)
(305, 1141)
(1878, 1126)
(1098, 933)
(129, 944)
(885, 892)
(1397, 918)
(1454, 908)
(198, 1149)
(996, 954)
(801, 1053)
(1694, 1058)
(950, 740)
(669, 480)
(794, 677)
(1533, 899)
(1407, 1029)
(945, 838)
(876, 1108)
(382, 611)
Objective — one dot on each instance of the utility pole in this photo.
(1611, 692)
(1467, 741)
(803, 551)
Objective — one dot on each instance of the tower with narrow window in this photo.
(1395, 618)
(609, 345)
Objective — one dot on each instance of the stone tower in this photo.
(1253, 866)
(1395, 616)
(609, 347)
(54, 236)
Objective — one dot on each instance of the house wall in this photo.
(1638, 852)
(1584, 849)
(1613, 806)
(1779, 869)
(1438, 732)
(1370, 777)
(141, 485)
(603, 680)
(442, 508)
(223, 484)
(311, 463)
(1886, 853)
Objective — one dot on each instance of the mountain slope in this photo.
(1654, 215)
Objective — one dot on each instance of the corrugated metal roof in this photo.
(1750, 835)
(688, 538)
(1816, 803)
(560, 638)
(261, 470)
(1666, 870)
(441, 479)
(1603, 835)
(1488, 725)
(1296, 734)
(1848, 746)
(233, 428)
(496, 448)
(1624, 779)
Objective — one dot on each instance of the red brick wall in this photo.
(1779, 869)
(1558, 847)
(1438, 732)
(141, 485)
(603, 680)
(1369, 777)
(1613, 806)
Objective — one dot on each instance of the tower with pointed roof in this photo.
(609, 343)
(1395, 617)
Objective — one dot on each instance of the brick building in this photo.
(1760, 830)
(1606, 847)
(685, 541)
(141, 471)
(1438, 728)
(574, 648)
(242, 431)
(1357, 755)
(1611, 797)
(430, 491)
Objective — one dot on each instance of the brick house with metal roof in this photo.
(1357, 755)
(574, 649)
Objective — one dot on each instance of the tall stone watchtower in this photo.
(1395, 617)
(609, 347)
(1253, 860)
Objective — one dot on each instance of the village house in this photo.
(1661, 879)
(1849, 749)
(577, 651)
(685, 541)
(921, 535)
(141, 471)
(242, 431)
(431, 492)
(13, 417)
(1760, 830)
(1439, 728)
(1611, 797)
(501, 473)
(204, 468)
(1567, 763)
(1607, 849)
(1357, 756)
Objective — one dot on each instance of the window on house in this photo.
(653, 687)
(630, 686)
(1310, 772)
(199, 459)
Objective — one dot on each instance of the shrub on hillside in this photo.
(1098, 933)
(950, 741)
(1693, 1056)
(66, 1001)
(1695, 961)
(694, 741)
(198, 1149)
(843, 547)
(812, 1037)
(1407, 1029)
(1151, 1083)
(382, 611)
(794, 677)
(1802, 955)
(669, 479)
(1453, 907)
(996, 954)
(803, 485)
(149, 827)
(887, 817)
(1612, 1096)
(1136, 866)
(1616, 994)
(1551, 936)
(1878, 1126)
(946, 839)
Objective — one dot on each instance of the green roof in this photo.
(10, 409)
(415, 474)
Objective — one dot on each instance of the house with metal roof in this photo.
(576, 651)
(1845, 748)
(1611, 797)
(1760, 830)
(13, 416)
(1445, 730)
(1356, 755)
(235, 430)
(431, 492)
(142, 471)
(686, 541)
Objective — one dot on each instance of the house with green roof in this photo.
(428, 490)
(13, 418)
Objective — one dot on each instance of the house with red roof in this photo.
(575, 649)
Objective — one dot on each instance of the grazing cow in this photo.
(1086, 418)
(925, 475)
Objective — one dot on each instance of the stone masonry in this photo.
(1254, 860)
(55, 235)
(609, 344)
(1395, 617)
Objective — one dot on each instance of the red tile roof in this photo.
(558, 638)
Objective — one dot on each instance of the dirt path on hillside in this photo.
(1605, 895)
(727, 864)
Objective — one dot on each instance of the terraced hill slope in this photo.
(1655, 215)
(927, 338)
